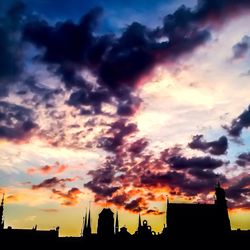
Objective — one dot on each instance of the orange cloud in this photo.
(153, 212)
(12, 198)
(48, 169)
(69, 198)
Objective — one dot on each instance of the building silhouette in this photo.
(185, 219)
(116, 224)
(33, 234)
(185, 223)
(1, 214)
(87, 231)
(143, 229)
(123, 234)
(105, 227)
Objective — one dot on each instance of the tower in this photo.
(1, 213)
(88, 225)
(223, 221)
(139, 224)
(116, 224)
(105, 227)
(220, 196)
(84, 224)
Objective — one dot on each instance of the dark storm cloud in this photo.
(202, 181)
(239, 193)
(204, 174)
(120, 62)
(138, 50)
(67, 44)
(241, 48)
(185, 176)
(243, 159)
(102, 181)
(136, 205)
(239, 123)
(52, 182)
(119, 200)
(138, 146)
(16, 122)
(217, 147)
(10, 46)
(169, 178)
(90, 98)
(101, 189)
(116, 135)
(181, 162)
(129, 58)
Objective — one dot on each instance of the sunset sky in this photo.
(120, 104)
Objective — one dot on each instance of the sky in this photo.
(121, 104)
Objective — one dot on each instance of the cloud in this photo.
(138, 146)
(112, 182)
(116, 135)
(120, 62)
(69, 198)
(94, 98)
(16, 122)
(217, 147)
(11, 64)
(13, 198)
(153, 212)
(66, 44)
(101, 182)
(48, 169)
(36, 93)
(52, 182)
(119, 200)
(239, 123)
(136, 205)
(239, 193)
(241, 48)
(167, 178)
(180, 162)
(50, 210)
(243, 159)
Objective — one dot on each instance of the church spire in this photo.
(85, 224)
(89, 224)
(117, 224)
(1, 213)
(139, 222)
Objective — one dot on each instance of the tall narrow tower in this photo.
(85, 224)
(116, 224)
(223, 221)
(139, 224)
(88, 226)
(105, 228)
(1, 213)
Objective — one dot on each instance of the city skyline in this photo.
(122, 103)
(89, 222)
(181, 220)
